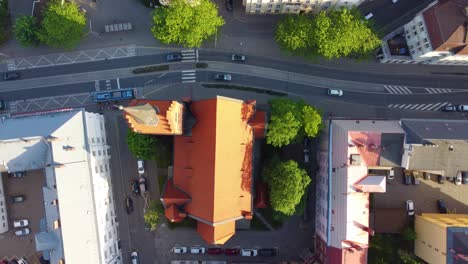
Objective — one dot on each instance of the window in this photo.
(96, 169)
(257, 11)
(258, 6)
(277, 10)
(105, 238)
(415, 33)
(270, 6)
(110, 235)
(420, 23)
(425, 40)
(101, 169)
(414, 27)
(426, 46)
(105, 253)
(411, 47)
(94, 153)
(412, 52)
(92, 140)
(99, 151)
(278, 7)
(98, 140)
(419, 49)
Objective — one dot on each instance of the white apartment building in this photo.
(436, 35)
(71, 147)
(295, 6)
(3, 210)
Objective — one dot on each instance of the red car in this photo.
(215, 251)
(232, 251)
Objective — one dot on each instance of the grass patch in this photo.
(257, 224)
(186, 223)
(275, 219)
(202, 65)
(163, 156)
(244, 88)
(153, 68)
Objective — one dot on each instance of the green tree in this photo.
(287, 183)
(153, 215)
(408, 234)
(186, 23)
(26, 28)
(408, 258)
(4, 20)
(341, 33)
(291, 120)
(62, 25)
(293, 33)
(143, 146)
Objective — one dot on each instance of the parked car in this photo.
(22, 261)
(134, 257)
(17, 198)
(231, 251)
(267, 252)
(391, 174)
(449, 108)
(415, 180)
(440, 179)
(9, 76)
(465, 177)
(410, 207)
(369, 16)
(458, 179)
(22, 232)
(20, 223)
(237, 57)
(129, 204)
(143, 185)
(407, 179)
(141, 167)
(18, 174)
(197, 250)
(179, 250)
(229, 5)
(174, 57)
(335, 92)
(215, 251)
(427, 175)
(222, 77)
(135, 187)
(463, 108)
(441, 206)
(249, 252)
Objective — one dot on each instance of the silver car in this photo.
(22, 232)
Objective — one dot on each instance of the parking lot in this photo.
(32, 209)
(424, 195)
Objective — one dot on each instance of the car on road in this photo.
(415, 180)
(9, 76)
(335, 92)
(249, 252)
(458, 179)
(462, 108)
(2, 105)
(441, 206)
(17, 198)
(134, 257)
(222, 77)
(179, 250)
(141, 167)
(465, 177)
(267, 252)
(18, 174)
(129, 204)
(143, 185)
(197, 250)
(22, 232)
(238, 57)
(231, 251)
(215, 251)
(229, 5)
(22, 261)
(391, 174)
(407, 179)
(174, 57)
(368, 16)
(20, 223)
(440, 179)
(410, 207)
(449, 108)
(135, 187)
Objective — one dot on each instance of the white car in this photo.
(141, 167)
(179, 250)
(369, 16)
(134, 257)
(410, 207)
(249, 252)
(22, 261)
(335, 92)
(197, 250)
(22, 232)
(20, 223)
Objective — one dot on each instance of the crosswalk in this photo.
(189, 76)
(395, 89)
(190, 55)
(420, 107)
(437, 90)
(106, 83)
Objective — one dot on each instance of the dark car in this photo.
(2, 105)
(222, 77)
(238, 57)
(215, 251)
(441, 206)
(267, 252)
(17, 198)
(129, 205)
(229, 6)
(449, 108)
(232, 251)
(135, 187)
(441, 179)
(407, 179)
(8, 76)
(174, 57)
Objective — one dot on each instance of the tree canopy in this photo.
(335, 34)
(141, 145)
(4, 20)
(287, 183)
(291, 120)
(62, 25)
(186, 23)
(153, 215)
(26, 28)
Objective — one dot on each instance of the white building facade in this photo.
(3, 210)
(295, 6)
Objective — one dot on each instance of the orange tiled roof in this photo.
(172, 195)
(169, 114)
(173, 213)
(217, 234)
